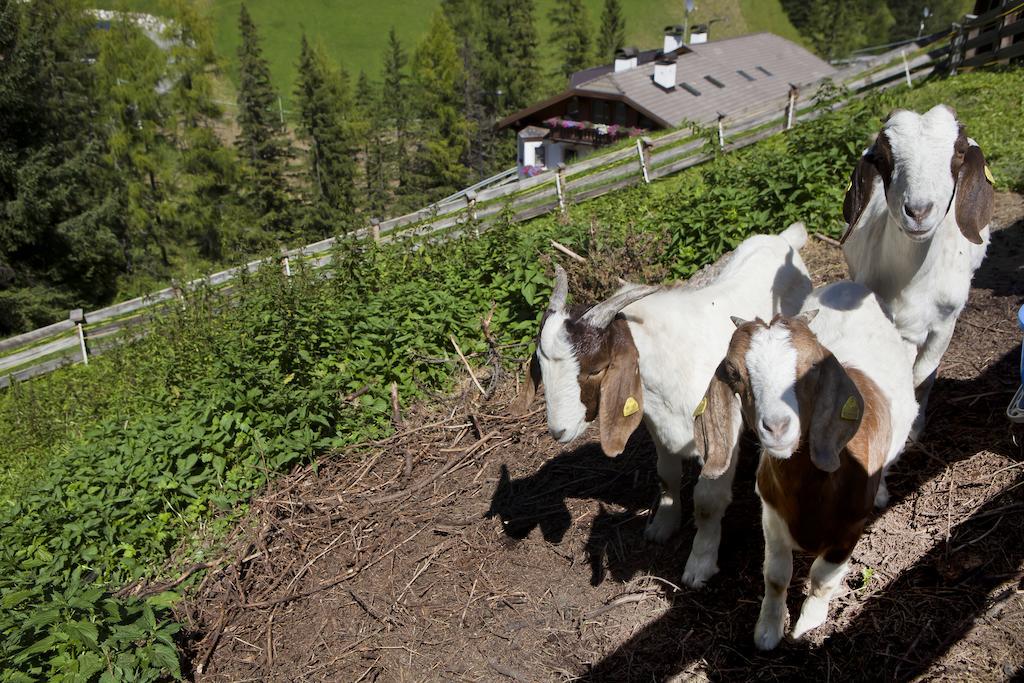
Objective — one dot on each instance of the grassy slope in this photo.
(356, 33)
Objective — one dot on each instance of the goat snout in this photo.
(918, 210)
(557, 434)
(777, 427)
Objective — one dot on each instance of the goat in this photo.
(830, 396)
(646, 353)
(917, 210)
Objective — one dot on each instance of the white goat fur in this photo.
(926, 282)
(681, 335)
(853, 325)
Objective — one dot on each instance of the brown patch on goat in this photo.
(877, 161)
(609, 376)
(824, 511)
(975, 195)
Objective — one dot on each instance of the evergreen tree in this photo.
(60, 211)
(466, 20)
(262, 142)
(511, 67)
(835, 28)
(395, 102)
(437, 75)
(139, 125)
(571, 35)
(325, 110)
(376, 181)
(612, 36)
(206, 207)
(908, 16)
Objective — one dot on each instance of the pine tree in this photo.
(262, 142)
(466, 20)
(396, 105)
(60, 201)
(571, 35)
(835, 28)
(376, 181)
(207, 208)
(511, 66)
(324, 101)
(612, 36)
(139, 123)
(437, 74)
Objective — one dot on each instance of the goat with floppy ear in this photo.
(830, 397)
(918, 207)
(645, 354)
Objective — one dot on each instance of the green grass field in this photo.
(356, 33)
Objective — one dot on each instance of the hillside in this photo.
(126, 483)
(355, 33)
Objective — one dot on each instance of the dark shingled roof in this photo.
(770, 63)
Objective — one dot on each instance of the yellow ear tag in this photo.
(631, 407)
(701, 407)
(988, 174)
(849, 186)
(850, 411)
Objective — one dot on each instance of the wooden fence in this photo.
(89, 333)
(995, 37)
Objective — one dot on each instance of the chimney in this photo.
(699, 34)
(673, 38)
(665, 73)
(625, 59)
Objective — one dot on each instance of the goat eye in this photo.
(597, 373)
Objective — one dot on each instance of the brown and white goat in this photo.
(918, 208)
(827, 427)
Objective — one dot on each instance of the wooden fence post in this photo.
(643, 150)
(560, 186)
(906, 68)
(956, 48)
(77, 316)
(721, 132)
(375, 229)
(794, 93)
(284, 263)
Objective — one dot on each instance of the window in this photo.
(745, 75)
(620, 113)
(599, 111)
(714, 81)
(690, 89)
(539, 154)
(573, 111)
(765, 71)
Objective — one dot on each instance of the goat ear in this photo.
(858, 194)
(837, 413)
(522, 401)
(622, 398)
(716, 425)
(974, 195)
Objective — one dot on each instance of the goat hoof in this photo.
(768, 633)
(699, 569)
(665, 523)
(812, 616)
(882, 496)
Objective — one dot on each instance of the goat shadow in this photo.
(898, 632)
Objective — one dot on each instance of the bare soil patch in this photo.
(471, 546)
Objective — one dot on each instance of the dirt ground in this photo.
(471, 546)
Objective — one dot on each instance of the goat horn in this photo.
(561, 290)
(603, 313)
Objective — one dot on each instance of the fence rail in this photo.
(474, 209)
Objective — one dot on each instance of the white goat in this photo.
(918, 208)
(830, 396)
(648, 352)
